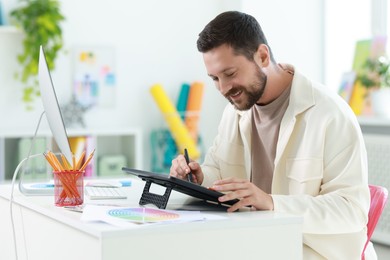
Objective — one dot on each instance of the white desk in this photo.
(52, 232)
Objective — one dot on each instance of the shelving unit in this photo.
(109, 143)
(9, 29)
(372, 124)
(376, 133)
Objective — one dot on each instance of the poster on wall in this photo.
(94, 76)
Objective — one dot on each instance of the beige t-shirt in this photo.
(265, 131)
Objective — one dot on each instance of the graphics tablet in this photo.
(189, 188)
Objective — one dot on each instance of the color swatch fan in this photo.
(143, 215)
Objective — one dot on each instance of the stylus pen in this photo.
(188, 161)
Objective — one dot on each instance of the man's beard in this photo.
(253, 93)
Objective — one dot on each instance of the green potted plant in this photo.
(39, 20)
(375, 72)
(375, 76)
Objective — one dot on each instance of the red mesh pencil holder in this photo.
(68, 188)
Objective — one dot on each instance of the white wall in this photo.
(294, 30)
(155, 41)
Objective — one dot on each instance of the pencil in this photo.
(74, 161)
(87, 161)
(55, 160)
(48, 159)
(79, 162)
(65, 163)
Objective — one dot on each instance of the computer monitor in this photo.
(52, 108)
(56, 124)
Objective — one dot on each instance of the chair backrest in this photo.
(379, 196)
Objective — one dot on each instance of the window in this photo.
(346, 22)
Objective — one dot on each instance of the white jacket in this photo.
(320, 163)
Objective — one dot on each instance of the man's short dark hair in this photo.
(239, 30)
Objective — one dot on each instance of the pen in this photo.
(188, 161)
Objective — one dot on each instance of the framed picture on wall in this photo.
(94, 76)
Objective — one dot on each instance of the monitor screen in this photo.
(52, 108)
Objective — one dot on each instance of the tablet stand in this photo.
(160, 201)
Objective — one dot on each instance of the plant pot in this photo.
(381, 102)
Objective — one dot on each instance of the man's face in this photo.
(239, 80)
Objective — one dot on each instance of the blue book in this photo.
(1, 15)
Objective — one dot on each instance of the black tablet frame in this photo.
(172, 183)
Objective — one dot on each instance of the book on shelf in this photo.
(346, 85)
(79, 144)
(90, 170)
(364, 50)
(35, 168)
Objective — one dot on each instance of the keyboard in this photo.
(104, 193)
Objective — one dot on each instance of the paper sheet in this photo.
(138, 216)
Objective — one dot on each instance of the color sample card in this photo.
(136, 217)
(143, 214)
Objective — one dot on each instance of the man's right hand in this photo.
(180, 169)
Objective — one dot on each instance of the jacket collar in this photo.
(301, 95)
(301, 99)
